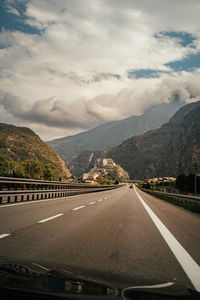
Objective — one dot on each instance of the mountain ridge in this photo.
(167, 151)
(113, 133)
(158, 152)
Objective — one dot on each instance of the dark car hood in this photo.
(62, 281)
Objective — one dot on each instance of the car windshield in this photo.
(100, 143)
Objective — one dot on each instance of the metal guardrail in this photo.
(174, 196)
(20, 196)
(62, 189)
(10, 181)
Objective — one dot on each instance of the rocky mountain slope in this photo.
(21, 143)
(113, 133)
(172, 149)
(105, 169)
(167, 151)
(85, 161)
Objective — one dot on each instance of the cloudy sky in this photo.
(69, 65)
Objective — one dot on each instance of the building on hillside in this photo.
(103, 166)
(91, 176)
(106, 163)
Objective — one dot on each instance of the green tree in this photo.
(4, 166)
(33, 169)
(51, 172)
(181, 181)
(102, 180)
(190, 182)
(18, 170)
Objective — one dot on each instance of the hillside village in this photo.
(103, 167)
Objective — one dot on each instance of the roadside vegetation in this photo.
(110, 178)
(28, 169)
(184, 184)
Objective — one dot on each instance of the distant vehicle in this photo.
(131, 186)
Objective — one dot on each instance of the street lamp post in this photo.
(195, 166)
(195, 183)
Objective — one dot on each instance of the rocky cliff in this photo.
(21, 143)
(172, 149)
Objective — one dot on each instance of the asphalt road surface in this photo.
(122, 237)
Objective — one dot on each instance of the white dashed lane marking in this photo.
(78, 207)
(48, 219)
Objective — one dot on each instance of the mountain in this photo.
(85, 161)
(113, 133)
(105, 170)
(172, 149)
(21, 143)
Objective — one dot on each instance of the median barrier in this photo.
(35, 189)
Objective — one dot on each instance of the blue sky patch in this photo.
(144, 73)
(13, 22)
(185, 38)
(190, 63)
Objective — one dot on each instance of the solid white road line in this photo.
(78, 207)
(4, 235)
(92, 202)
(48, 219)
(190, 267)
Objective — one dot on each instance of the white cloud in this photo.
(64, 77)
(86, 113)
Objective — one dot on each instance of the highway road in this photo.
(124, 237)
